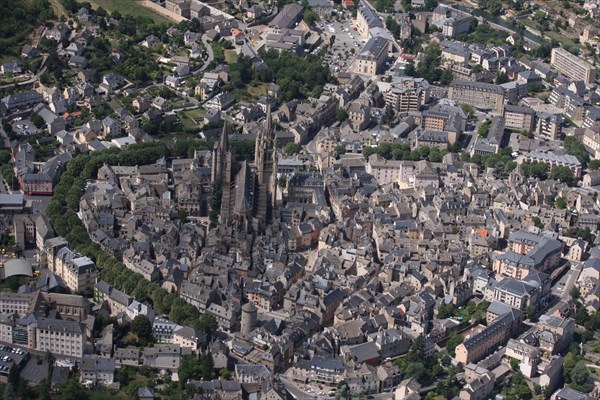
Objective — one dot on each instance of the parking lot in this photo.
(24, 127)
(10, 355)
(346, 45)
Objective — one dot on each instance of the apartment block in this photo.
(553, 160)
(60, 337)
(519, 118)
(78, 272)
(388, 171)
(367, 19)
(481, 344)
(407, 94)
(484, 96)
(572, 66)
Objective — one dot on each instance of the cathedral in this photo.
(249, 190)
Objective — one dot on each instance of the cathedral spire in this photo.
(269, 127)
(224, 138)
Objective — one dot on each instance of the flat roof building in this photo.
(572, 66)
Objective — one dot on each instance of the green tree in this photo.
(537, 222)
(388, 116)
(563, 174)
(206, 366)
(446, 77)
(535, 170)
(339, 150)
(416, 370)
(585, 234)
(310, 17)
(580, 377)
(484, 128)
(9, 392)
(594, 164)
(208, 323)
(142, 327)
(575, 293)
(560, 203)
(342, 115)
(291, 148)
(224, 373)
(416, 353)
(37, 120)
(71, 390)
(502, 78)
(468, 109)
(282, 181)
(530, 313)
(453, 341)
(446, 311)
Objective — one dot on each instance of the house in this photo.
(173, 81)
(111, 128)
(54, 123)
(221, 102)
(97, 371)
(29, 52)
(11, 67)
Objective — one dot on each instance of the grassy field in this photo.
(230, 56)
(130, 7)
(187, 118)
(259, 90)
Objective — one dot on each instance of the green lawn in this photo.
(187, 118)
(130, 7)
(103, 394)
(231, 56)
(258, 90)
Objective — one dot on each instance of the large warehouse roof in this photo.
(17, 267)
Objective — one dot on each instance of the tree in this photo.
(468, 109)
(224, 373)
(575, 293)
(416, 353)
(580, 377)
(537, 222)
(535, 170)
(291, 148)
(142, 327)
(339, 150)
(452, 342)
(182, 215)
(9, 392)
(446, 77)
(502, 78)
(282, 181)
(342, 115)
(562, 173)
(310, 17)
(585, 234)
(594, 165)
(530, 313)
(37, 120)
(446, 311)
(206, 366)
(416, 370)
(484, 128)
(388, 116)
(71, 390)
(208, 323)
(560, 203)
(13, 376)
